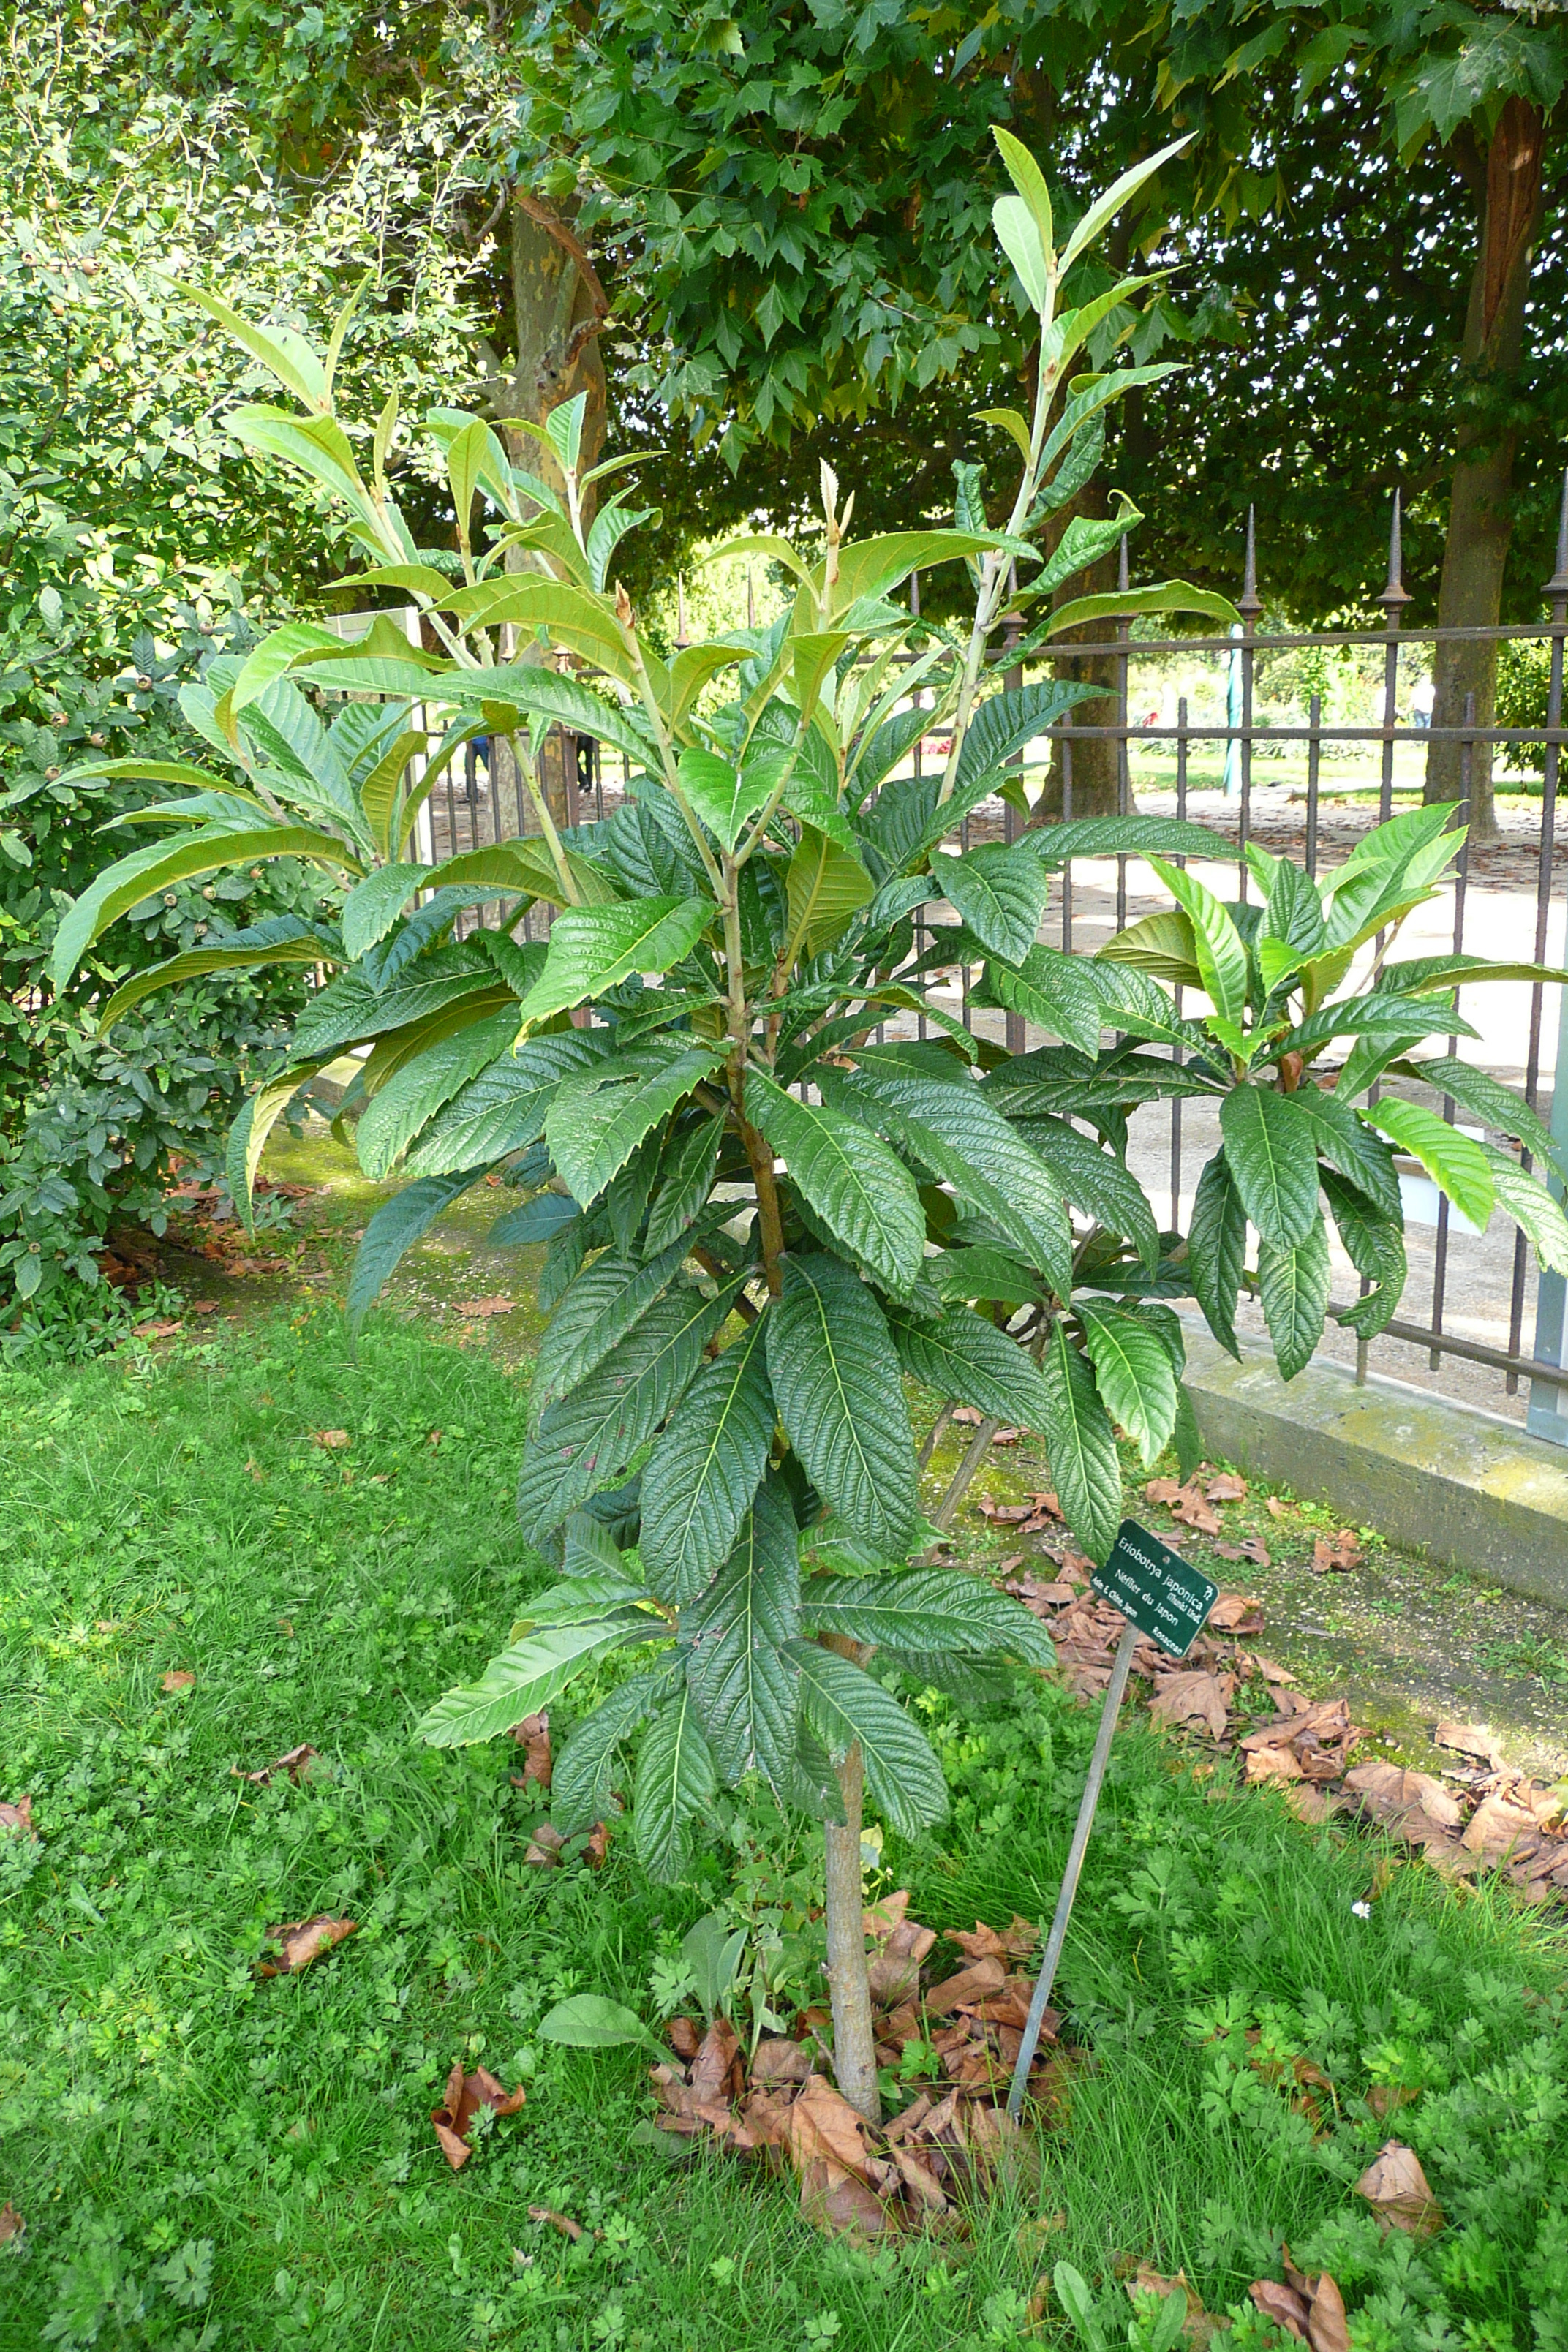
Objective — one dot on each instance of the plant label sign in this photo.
(1156, 1589)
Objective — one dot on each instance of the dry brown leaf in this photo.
(464, 2095)
(1272, 1764)
(481, 1308)
(18, 1817)
(1236, 1612)
(1327, 2327)
(532, 1736)
(1467, 1739)
(1283, 2306)
(1186, 1697)
(545, 1847)
(1226, 1489)
(985, 1976)
(981, 1943)
(155, 1330)
(840, 2203)
(1162, 1490)
(824, 2128)
(301, 1940)
(549, 2218)
(178, 1679)
(1498, 1827)
(777, 2060)
(1383, 2098)
(296, 1763)
(1200, 2326)
(11, 2224)
(1392, 1792)
(1251, 1548)
(1336, 1552)
(332, 1438)
(1276, 1508)
(205, 1306)
(712, 2066)
(919, 2180)
(1396, 2188)
(883, 1917)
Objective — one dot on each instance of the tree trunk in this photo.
(854, 2043)
(558, 308)
(1507, 185)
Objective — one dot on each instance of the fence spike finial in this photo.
(1249, 603)
(1395, 592)
(1557, 586)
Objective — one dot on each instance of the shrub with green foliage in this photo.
(688, 1078)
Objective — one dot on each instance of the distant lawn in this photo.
(203, 2158)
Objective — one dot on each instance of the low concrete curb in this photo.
(1470, 1489)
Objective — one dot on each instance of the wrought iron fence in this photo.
(472, 809)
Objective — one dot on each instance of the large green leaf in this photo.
(685, 1181)
(839, 1392)
(352, 1009)
(595, 948)
(1531, 1205)
(1006, 722)
(1216, 1250)
(582, 1785)
(421, 1086)
(396, 1225)
(1133, 1373)
(1221, 958)
(504, 1109)
(281, 939)
(1129, 837)
(1270, 1149)
(847, 1176)
(965, 1356)
(585, 1439)
(258, 1116)
(741, 1675)
(162, 864)
(926, 1609)
(602, 1113)
(1455, 1163)
(1376, 1246)
(598, 1309)
(1098, 1183)
(1054, 991)
(1081, 1444)
(1498, 1105)
(1349, 1145)
(373, 904)
(699, 1481)
(526, 1677)
(1294, 1284)
(824, 887)
(1000, 889)
(848, 1710)
(966, 1142)
(676, 1783)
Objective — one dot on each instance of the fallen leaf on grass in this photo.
(840, 2203)
(1276, 1508)
(483, 1307)
(1226, 1489)
(301, 1940)
(1199, 2327)
(1469, 1739)
(205, 1306)
(775, 2060)
(1193, 1697)
(464, 2095)
(1186, 1504)
(1396, 2188)
(155, 1330)
(985, 1976)
(1272, 1764)
(1498, 1827)
(1236, 1612)
(1013, 1943)
(330, 1438)
(532, 1736)
(1254, 1549)
(1391, 1793)
(1336, 1552)
(545, 1847)
(1283, 2305)
(1384, 2098)
(297, 1764)
(1327, 2327)
(549, 2218)
(823, 2125)
(18, 1817)
(178, 1679)
(11, 2224)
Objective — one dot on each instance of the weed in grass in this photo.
(197, 2151)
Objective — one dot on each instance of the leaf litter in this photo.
(303, 1941)
(464, 2095)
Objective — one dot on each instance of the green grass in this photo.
(202, 2156)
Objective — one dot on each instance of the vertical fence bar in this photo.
(1314, 752)
(1016, 1030)
(1123, 795)
(1067, 819)
(1548, 767)
(1548, 1414)
(1249, 604)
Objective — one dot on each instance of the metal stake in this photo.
(1096, 1764)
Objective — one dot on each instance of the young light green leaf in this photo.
(1221, 958)
(526, 1677)
(423, 1084)
(588, 2020)
(595, 948)
(1455, 1163)
(1531, 1206)
(1027, 178)
(824, 887)
(1018, 235)
(1104, 209)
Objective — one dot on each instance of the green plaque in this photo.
(1156, 1589)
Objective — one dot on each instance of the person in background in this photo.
(1423, 694)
